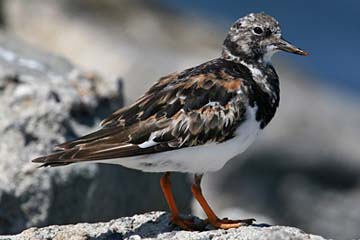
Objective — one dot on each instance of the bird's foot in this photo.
(227, 223)
(188, 224)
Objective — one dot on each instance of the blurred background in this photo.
(65, 65)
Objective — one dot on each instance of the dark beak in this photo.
(284, 45)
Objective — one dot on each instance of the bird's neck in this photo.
(266, 79)
(259, 67)
(230, 54)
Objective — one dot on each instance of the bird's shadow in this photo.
(152, 228)
(149, 229)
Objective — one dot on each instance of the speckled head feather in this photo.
(255, 37)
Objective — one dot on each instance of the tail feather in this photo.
(92, 153)
(56, 159)
(107, 143)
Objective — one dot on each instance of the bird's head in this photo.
(256, 37)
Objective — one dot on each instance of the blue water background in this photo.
(329, 30)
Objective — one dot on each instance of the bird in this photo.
(195, 120)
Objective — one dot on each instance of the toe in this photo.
(244, 221)
(227, 223)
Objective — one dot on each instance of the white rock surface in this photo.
(155, 225)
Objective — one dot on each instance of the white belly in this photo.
(200, 159)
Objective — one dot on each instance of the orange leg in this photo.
(212, 218)
(165, 184)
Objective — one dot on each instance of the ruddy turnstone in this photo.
(196, 120)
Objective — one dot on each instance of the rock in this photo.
(128, 38)
(155, 225)
(45, 100)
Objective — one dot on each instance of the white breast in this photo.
(200, 159)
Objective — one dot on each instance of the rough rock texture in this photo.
(156, 225)
(45, 100)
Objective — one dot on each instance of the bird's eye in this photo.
(258, 30)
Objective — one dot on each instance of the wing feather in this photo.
(184, 109)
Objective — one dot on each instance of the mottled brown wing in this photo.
(187, 90)
(106, 143)
(181, 110)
